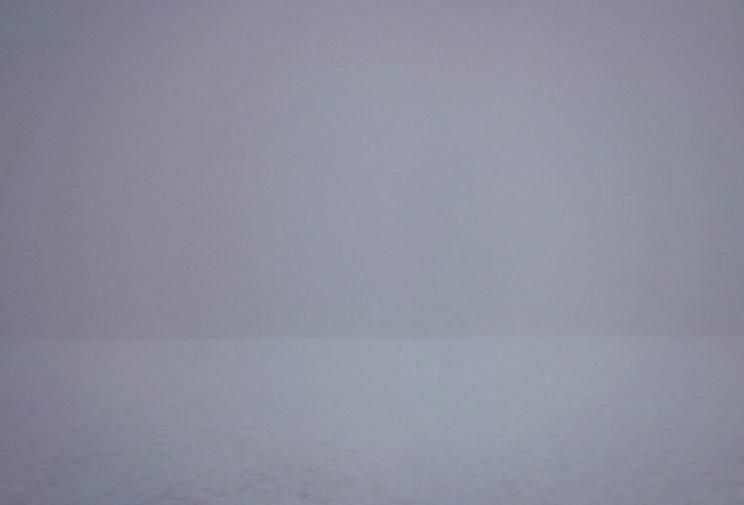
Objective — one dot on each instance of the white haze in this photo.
(381, 168)
(538, 204)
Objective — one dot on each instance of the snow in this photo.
(372, 421)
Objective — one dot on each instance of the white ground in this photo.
(355, 422)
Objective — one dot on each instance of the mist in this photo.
(538, 205)
(371, 169)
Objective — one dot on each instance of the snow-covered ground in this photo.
(372, 421)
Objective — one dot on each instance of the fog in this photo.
(371, 169)
(550, 194)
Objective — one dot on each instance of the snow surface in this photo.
(372, 421)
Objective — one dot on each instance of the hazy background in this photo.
(371, 168)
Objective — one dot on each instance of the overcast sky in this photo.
(371, 168)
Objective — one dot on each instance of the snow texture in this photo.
(372, 421)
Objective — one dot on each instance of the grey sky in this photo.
(371, 168)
